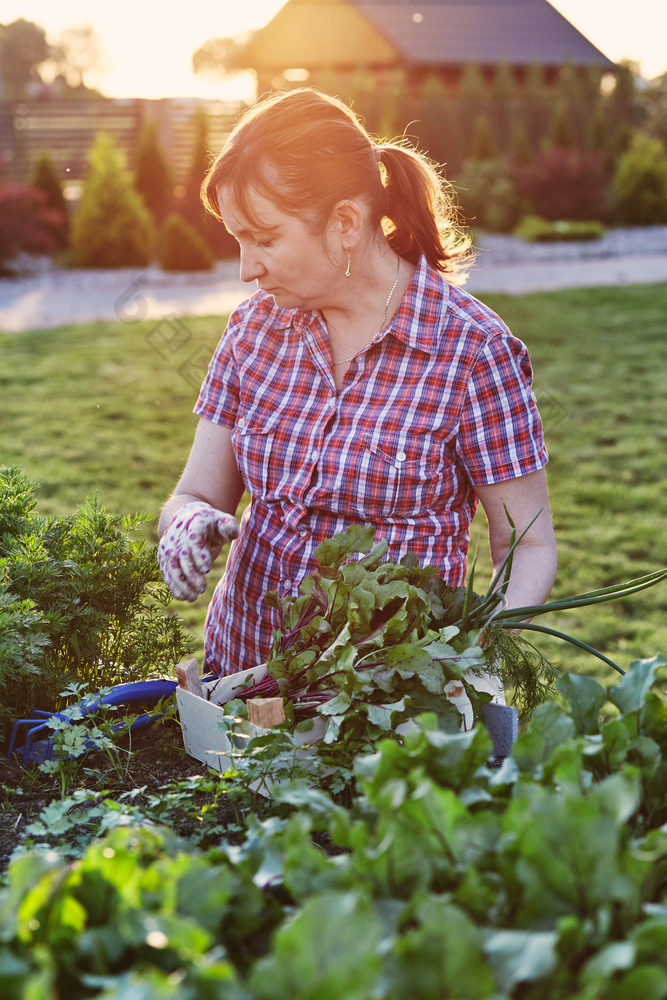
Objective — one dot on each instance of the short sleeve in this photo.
(219, 395)
(500, 432)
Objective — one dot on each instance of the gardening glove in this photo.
(189, 546)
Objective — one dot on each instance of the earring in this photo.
(349, 261)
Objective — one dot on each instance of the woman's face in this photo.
(281, 254)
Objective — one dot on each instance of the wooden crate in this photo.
(204, 736)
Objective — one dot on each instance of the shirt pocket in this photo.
(396, 479)
(254, 444)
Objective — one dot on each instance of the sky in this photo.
(148, 50)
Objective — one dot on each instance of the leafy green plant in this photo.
(80, 600)
(75, 732)
(371, 643)
(442, 878)
(534, 229)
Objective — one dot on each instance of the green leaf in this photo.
(615, 956)
(381, 717)
(337, 705)
(519, 956)
(548, 728)
(586, 697)
(440, 957)
(630, 692)
(333, 552)
(329, 950)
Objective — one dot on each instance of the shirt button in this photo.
(401, 456)
(287, 584)
(314, 455)
(241, 422)
(303, 533)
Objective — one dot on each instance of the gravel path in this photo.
(51, 297)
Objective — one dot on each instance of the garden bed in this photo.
(157, 758)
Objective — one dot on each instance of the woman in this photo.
(358, 383)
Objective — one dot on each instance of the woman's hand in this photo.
(190, 545)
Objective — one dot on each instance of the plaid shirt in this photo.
(439, 402)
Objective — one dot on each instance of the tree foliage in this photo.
(23, 48)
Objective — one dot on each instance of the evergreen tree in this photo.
(521, 149)
(153, 178)
(45, 178)
(394, 87)
(598, 128)
(190, 206)
(112, 226)
(438, 134)
(483, 145)
(472, 87)
(561, 134)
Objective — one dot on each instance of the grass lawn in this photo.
(106, 408)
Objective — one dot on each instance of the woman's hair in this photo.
(306, 151)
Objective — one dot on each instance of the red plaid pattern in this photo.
(441, 401)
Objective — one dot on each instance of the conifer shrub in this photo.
(112, 226)
(639, 186)
(45, 178)
(80, 600)
(182, 248)
(189, 204)
(483, 144)
(152, 176)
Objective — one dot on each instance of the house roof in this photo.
(308, 33)
(484, 31)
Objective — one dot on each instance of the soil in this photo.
(158, 758)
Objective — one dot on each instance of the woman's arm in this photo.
(211, 474)
(534, 562)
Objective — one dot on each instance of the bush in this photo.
(112, 227)
(564, 184)
(537, 230)
(182, 248)
(639, 187)
(27, 224)
(488, 195)
(79, 601)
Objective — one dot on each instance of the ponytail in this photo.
(420, 215)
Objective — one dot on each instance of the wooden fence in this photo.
(66, 130)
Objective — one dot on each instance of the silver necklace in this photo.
(346, 361)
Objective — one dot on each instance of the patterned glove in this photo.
(190, 544)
